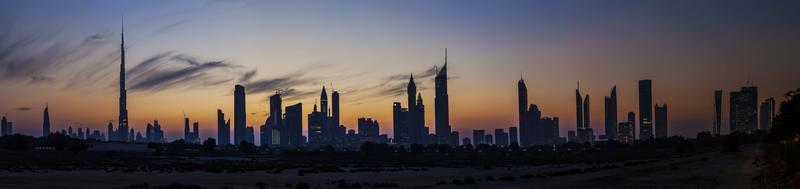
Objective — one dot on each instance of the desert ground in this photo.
(704, 170)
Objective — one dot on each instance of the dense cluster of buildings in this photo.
(284, 125)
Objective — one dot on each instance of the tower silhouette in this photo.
(123, 97)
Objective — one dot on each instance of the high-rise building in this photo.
(478, 137)
(368, 130)
(442, 110)
(123, 102)
(488, 139)
(112, 135)
(239, 115)
(335, 117)
(196, 133)
(767, 113)
(533, 131)
(626, 133)
(611, 114)
(632, 119)
(454, 136)
(522, 94)
(501, 137)
(323, 100)
(187, 132)
(512, 133)
(572, 137)
(249, 136)
(744, 116)
(400, 126)
(223, 129)
(316, 120)
(584, 129)
(413, 130)
(645, 109)
(548, 130)
(294, 124)
(5, 127)
(661, 121)
(46, 122)
(717, 112)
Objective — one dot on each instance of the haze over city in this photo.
(184, 57)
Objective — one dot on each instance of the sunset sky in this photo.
(186, 56)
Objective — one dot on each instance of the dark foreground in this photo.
(701, 170)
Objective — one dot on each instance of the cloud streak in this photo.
(168, 70)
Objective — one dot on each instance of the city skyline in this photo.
(469, 74)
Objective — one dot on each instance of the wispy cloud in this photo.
(169, 70)
(23, 109)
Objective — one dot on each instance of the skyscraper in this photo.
(478, 137)
(187, 132)
(294, 124)
(442, 110)
(316, 120)
(223, 129)
(323, 100)
(46, 123)
(3, 125)
(533, 131)
(522, 94)
(611, 114)
(632, 119)
(239, 115)
(335, 119)
(767, 113)
(412, 129)
(717, 112)
(661, 121)
(512, 133)
(501, 137)
(123, 104)
(419, 122)
(368, 129)
(584, 129)
(744, 116)
(645, 109)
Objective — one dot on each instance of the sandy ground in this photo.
(719, 170)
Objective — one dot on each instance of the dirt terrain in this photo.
(706, 170)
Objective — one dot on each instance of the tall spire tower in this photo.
(123, 104)
(441, 105)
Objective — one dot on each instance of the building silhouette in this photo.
(743, 115)
(478, 137)
(239, 115)
(249, 135)
(6, 127)
(626, 132)
(271, 130)
(522, 94)
(611, 115)
(442, 110)
(717, 113)
(322, 129)
(46, 122)
(368, 130)
(632, 119)
(223, 129)
(513, 135)
(293, 121)
(488, 139)
(585, 134)
(400, 123)
(466, 141)
(645, 109)
(661, 121)
(123, 97)
(571, 136)
(767, 113)
(501, 137)
(154, 133)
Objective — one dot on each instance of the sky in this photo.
(184, 57)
